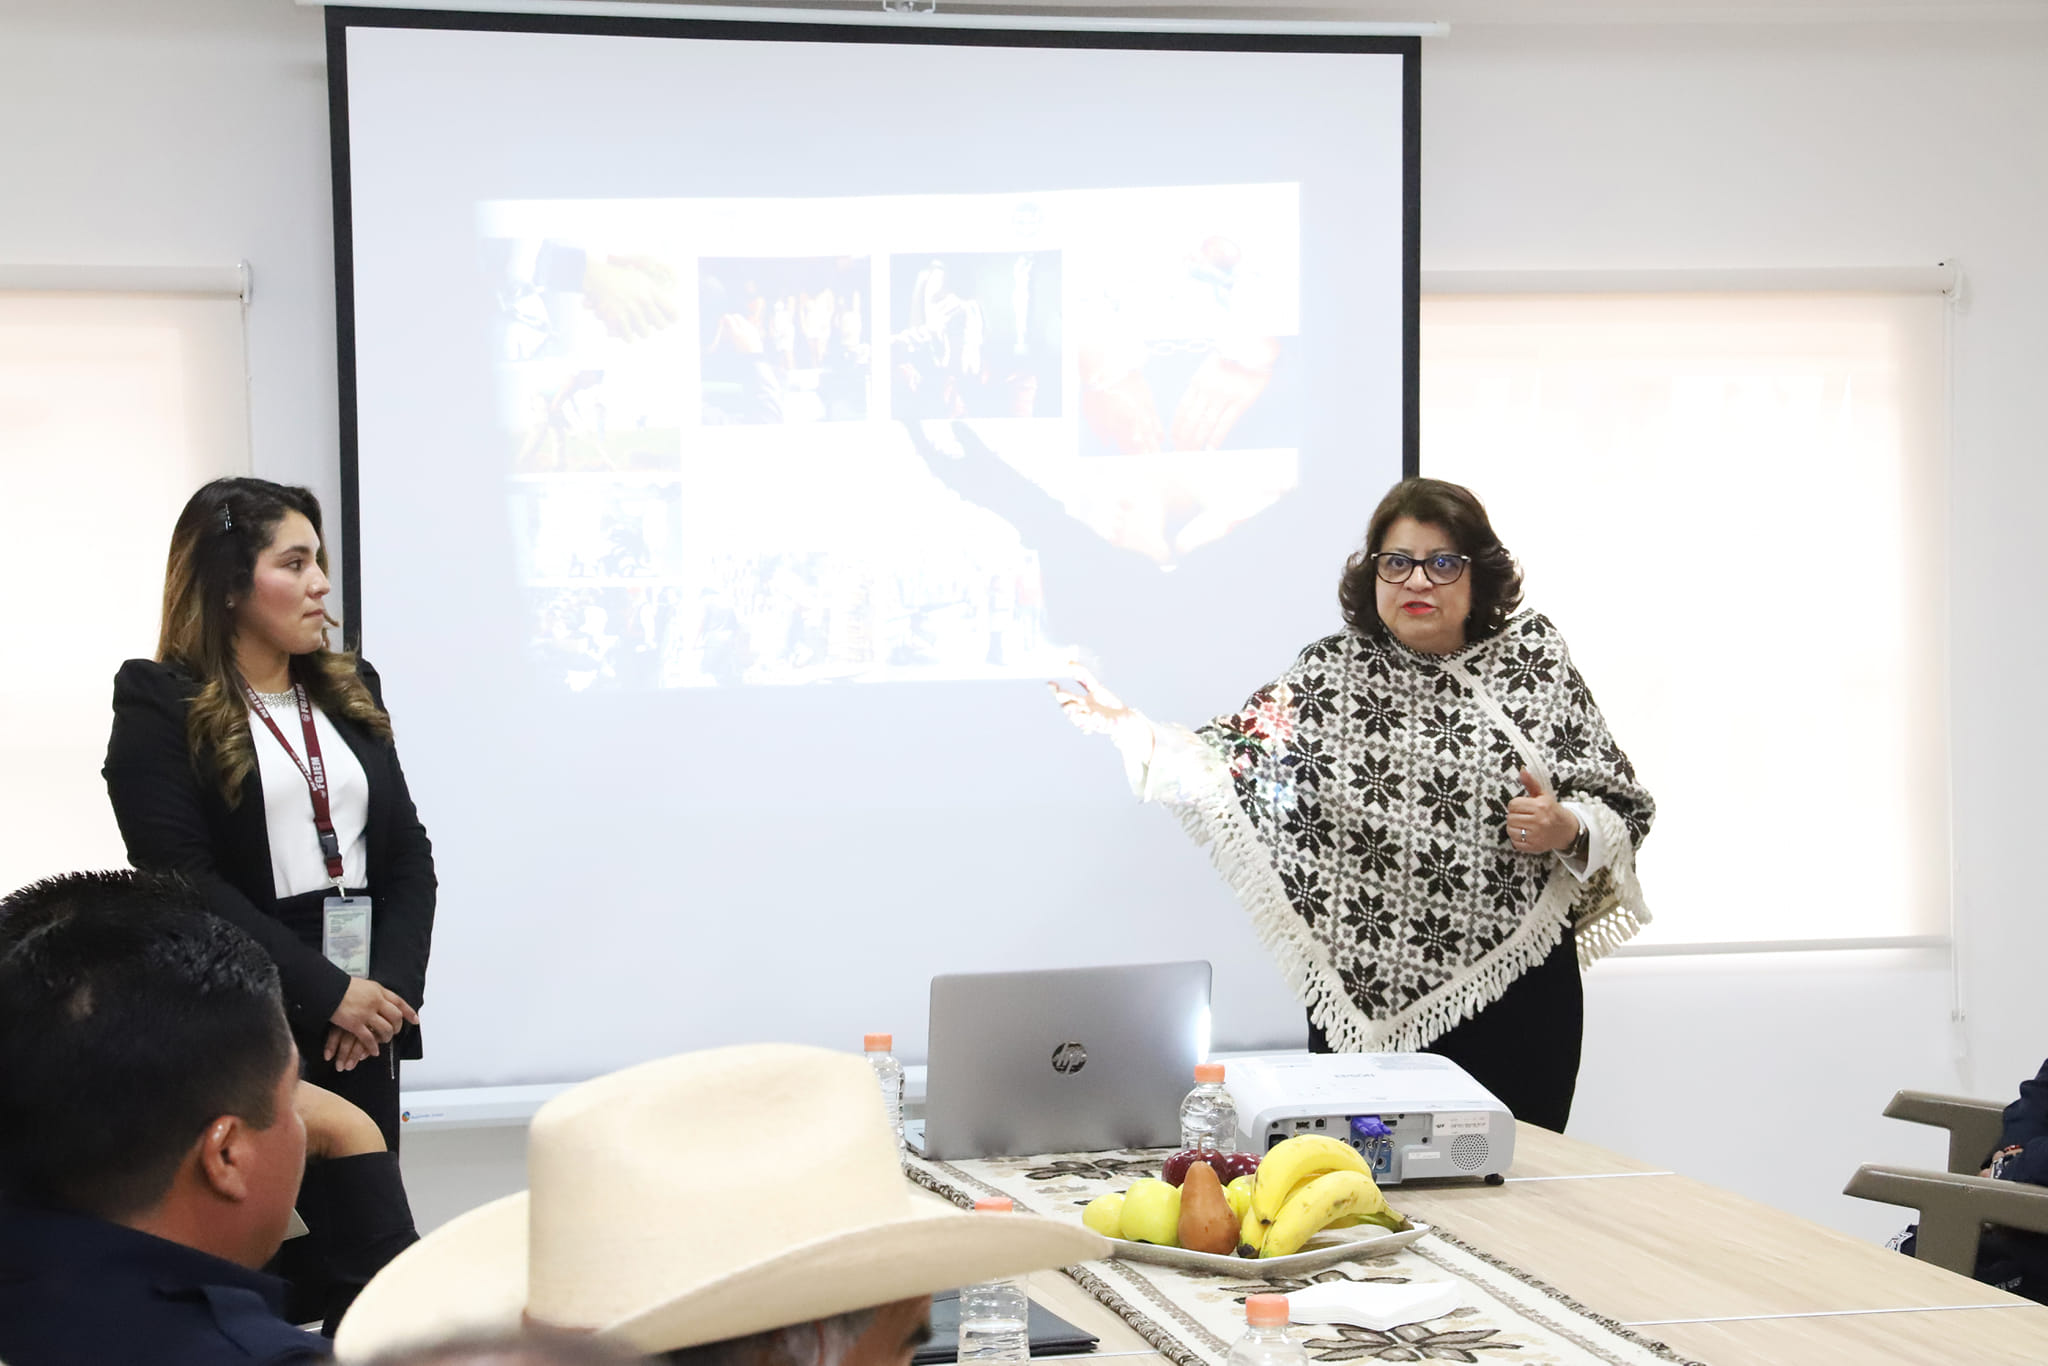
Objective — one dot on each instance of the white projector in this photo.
(1439, 1122)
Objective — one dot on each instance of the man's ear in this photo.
(224, 1154)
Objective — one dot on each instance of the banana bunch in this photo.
(1304, 1185)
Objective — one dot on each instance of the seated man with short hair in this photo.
(153, 1132)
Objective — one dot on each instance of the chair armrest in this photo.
(1953, 1209)
(1974, 1126)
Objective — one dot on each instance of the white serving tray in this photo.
(1325, 1249)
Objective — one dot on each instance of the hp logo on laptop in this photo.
(1069, 1058)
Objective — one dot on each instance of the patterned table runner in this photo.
(1507, 1316)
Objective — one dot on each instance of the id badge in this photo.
(345, 933)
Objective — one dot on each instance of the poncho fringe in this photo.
(1216, 821)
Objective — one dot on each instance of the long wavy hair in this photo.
(222, 530)
(1496, 581)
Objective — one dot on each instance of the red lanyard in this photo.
(311, 769)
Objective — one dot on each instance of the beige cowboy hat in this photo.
(698, 1198)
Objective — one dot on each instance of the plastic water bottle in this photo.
(1375, 1143)
(889, 1073)
(1208, 1117)
(994, 1323)
(1265, 1342)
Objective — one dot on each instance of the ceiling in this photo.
(1474, 11)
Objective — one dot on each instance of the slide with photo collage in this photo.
(737, 431)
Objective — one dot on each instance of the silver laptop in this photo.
(1068, 1060)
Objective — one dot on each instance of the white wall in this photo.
(1574, 146)
(1809, 145)
(188, 134)
(196, 134)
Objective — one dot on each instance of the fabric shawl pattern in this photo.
(1363, 825)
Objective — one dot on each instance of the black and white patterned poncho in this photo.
(1358, 804)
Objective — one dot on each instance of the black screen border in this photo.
(341, 18)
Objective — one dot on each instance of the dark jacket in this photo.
(173, 817)
(2026, 1128)
(77, 1291)
(2012, 1259)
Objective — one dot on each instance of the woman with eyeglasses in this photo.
(1425, 816)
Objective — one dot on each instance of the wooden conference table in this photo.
(1716, 1277)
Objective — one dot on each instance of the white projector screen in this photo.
(741, 421)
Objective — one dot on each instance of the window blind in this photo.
(113, 408)
(1733, 506)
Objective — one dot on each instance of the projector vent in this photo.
(1468, 1152)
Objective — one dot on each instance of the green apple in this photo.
(1239, 1194)
(1151, 1213)
(1105, 1214)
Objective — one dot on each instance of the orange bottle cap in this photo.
(1208, 1071)
(1000, 1204)
(877, 1042)
(1266, 1311)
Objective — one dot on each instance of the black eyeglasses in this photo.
(1442, 567)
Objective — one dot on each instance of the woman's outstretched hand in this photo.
(1094, 708)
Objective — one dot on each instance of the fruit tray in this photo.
(1325, 1249)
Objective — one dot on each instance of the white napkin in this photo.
(1372, 1304)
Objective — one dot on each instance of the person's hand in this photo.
(334, 1127)
(2000, 1158)
(344, 1049)
(1094, 709)
(371, 1014)
(633, 296)
(1537, 824)
(1226, 385)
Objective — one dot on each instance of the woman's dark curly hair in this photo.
(1496, 581)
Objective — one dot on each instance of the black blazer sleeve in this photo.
(401, 876)
(171, 823)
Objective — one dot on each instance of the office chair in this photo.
(1954, 1205)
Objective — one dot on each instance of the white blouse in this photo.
(296, 864)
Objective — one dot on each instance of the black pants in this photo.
(358, 1219)
(321, 1279)
(1524, 1047)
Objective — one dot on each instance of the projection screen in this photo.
(742, 421)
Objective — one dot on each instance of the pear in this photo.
(1206, 1223)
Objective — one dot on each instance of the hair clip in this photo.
(227, 518)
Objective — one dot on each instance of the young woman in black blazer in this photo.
(204, 785)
